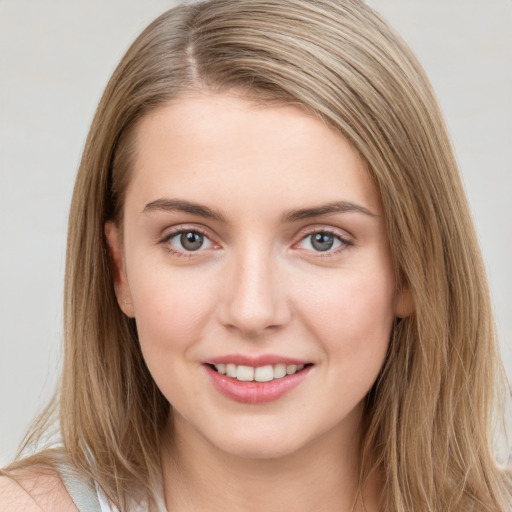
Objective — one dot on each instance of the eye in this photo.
(322, 241)
(189, 241)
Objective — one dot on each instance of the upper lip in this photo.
(255, 361)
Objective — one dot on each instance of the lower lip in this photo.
(255, 392)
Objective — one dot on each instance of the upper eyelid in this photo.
(347, 240)
(172, 231)
(306, 231)
(339, 232)
(344, 240)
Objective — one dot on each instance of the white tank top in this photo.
(88, 497)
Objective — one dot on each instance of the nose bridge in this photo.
(254, 300)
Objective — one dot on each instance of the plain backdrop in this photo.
(55, 59)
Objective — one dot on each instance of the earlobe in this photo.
(121, 287)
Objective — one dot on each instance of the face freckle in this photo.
(254, 238)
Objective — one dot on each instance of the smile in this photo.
(265, 373)
(263, 381)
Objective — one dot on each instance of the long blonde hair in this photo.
(428, 419)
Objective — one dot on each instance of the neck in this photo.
(322, 476)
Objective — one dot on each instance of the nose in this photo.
(254, 300)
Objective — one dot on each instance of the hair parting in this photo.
(429, 417)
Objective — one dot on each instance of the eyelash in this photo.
(344, 242)
(165, 241)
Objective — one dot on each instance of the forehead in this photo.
(225, 148)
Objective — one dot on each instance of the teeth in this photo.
(291, 369)
(245, 373)
(264, 373)
(231, 370)
(260, 373)
(279, 371)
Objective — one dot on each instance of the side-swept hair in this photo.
(428, 418)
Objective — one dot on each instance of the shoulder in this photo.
(34, 490)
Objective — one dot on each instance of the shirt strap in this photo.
(81, 490)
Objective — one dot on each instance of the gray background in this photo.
(55, 59)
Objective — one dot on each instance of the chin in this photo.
(260, 449)
(261, 441)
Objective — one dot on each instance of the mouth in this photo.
(257, 383)
(266, 373)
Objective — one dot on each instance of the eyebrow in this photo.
(178, 205)
(325, 209)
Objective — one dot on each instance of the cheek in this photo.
(171, 310)
(352, 317)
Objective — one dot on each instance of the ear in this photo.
(404, 305)
(121, 287)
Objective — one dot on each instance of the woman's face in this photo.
(256, 264)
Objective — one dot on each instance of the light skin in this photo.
(252, 231)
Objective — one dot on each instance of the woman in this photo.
(274, 292)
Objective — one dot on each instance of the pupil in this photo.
(191, 241)
(322, 241)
